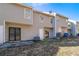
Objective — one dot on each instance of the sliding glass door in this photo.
(14, 34)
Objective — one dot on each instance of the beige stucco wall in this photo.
(61, 24)
(13, 13)
(28, 32)
(45, 21)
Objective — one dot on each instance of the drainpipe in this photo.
(54, 24)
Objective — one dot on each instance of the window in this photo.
(27, 14)
(14, 34)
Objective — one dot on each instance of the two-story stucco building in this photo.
(14, 24)
(59, 24)
(43, 24)
(19, 22)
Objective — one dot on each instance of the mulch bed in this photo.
(42, 48)
(36, 49)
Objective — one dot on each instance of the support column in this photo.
(1, 34)
(54, 27)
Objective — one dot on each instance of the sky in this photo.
(70, 10)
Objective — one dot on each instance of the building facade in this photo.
(19, 22)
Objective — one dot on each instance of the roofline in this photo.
(61, 15)
(43, 13)
(20, 4)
